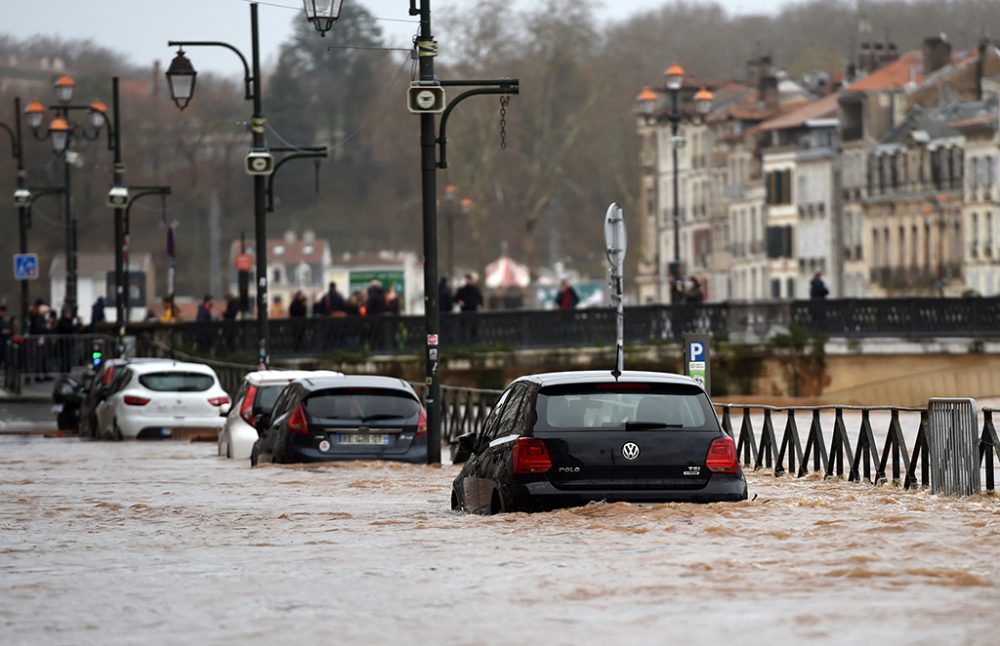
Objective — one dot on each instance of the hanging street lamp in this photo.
(260, 163)
(322, 13)
(181, 77)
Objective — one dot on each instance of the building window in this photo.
(790, 288)
(927, 247)
(974, 236)
(779, 242)
(779, 187)
(877, 249)
(775, 289)
(988, 238)
(913, 246)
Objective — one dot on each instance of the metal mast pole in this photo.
(22, 211)
(427, 49)
(121, 235)
(674, 119)
(257, 124)
(69, 302)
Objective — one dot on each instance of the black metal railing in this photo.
(837, 456)
(648, 324)
(42, 357)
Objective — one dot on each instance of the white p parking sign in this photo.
(696, 359)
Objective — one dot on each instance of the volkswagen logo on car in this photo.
(630, 450)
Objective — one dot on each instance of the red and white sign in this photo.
(244, 262)
(432, 339)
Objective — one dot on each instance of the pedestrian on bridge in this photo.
(567, 298)
(469, 300)
(817, 288)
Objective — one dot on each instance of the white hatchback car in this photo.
(256, 396)
(151, 400)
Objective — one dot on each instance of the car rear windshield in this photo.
(629, 406)
(177, 382)
(362, 404)
(264, 400)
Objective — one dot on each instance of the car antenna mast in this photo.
(614, 241)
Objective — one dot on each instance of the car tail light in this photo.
(721, 456)
(218, 401)
(108, 374)
(531, 456)
(246, 408)
(297, 421)
(135, 400)
(422, 423)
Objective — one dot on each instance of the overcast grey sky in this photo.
(141, 28)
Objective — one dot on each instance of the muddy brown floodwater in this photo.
(164, 543)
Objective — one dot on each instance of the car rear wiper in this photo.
(372, 418)
(649, 426)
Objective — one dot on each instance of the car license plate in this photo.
(363, 438)
(57, 408)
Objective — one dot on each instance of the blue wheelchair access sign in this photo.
(26, 266)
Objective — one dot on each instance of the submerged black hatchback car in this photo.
(319, 419)
(568, 438)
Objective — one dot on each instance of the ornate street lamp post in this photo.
(181, 77)
(61, 132)
(646, 105)
(426, 97)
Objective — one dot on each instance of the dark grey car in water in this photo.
(568, 438)
(320, 419)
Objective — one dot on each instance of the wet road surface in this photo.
(166, 543)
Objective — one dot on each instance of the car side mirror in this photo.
(224, 410)
(464, 449)
(261, 421)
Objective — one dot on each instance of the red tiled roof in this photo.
(906, 68)
(822, 108)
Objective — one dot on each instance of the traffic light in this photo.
(96, 358)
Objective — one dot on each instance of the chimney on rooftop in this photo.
(769, 91)
(937, 53)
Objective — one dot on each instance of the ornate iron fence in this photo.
(863, 460)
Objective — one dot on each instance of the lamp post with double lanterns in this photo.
(62, 131)
(260, 164)
(426, 97)
(647, 106)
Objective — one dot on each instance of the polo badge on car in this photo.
(630, 450)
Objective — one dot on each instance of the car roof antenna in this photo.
(615, 243)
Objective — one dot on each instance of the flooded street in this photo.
(166, 543)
